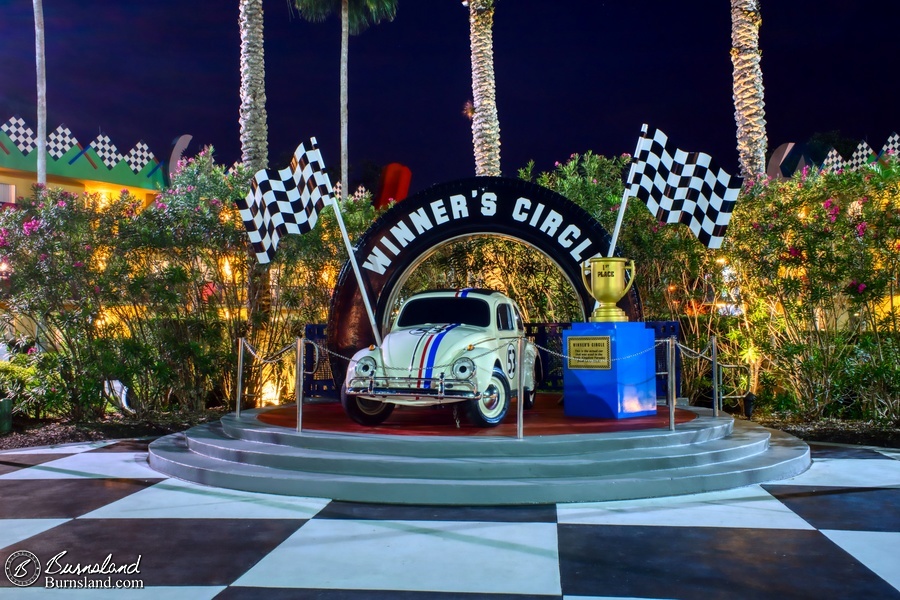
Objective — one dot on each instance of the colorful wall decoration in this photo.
(863, 155)
(98, 161)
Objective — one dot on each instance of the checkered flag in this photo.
(862, 156)
(20, 134)
(107, 151)
(139, 157)
(285, 201)
(891, 146)
(834, 162)
(61, 141)
(683, 187)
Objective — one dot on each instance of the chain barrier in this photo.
(691, 353)
(270, 360)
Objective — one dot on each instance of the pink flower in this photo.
(556, 164)
(42, 258)
(30, 226)
(794, 252)
(77, 264)
(828, 204)
(96, 289)
(861, 229)
(31, 350)
(861, 288)
(3, 240)
(161, 205)
(626, 155)
(755, 226)
(87, 247)
(217, 202)
(61, 204)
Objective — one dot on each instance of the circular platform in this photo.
(419, 456)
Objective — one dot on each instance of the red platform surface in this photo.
(546, 418)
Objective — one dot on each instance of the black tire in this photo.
(529, 399)
(493, 405)
(537, 379)
(365, 412)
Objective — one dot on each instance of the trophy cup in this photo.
(607, 286)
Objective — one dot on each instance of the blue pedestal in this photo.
(627, 388)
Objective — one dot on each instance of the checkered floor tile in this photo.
(832, 532)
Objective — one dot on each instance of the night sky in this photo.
(571, 76)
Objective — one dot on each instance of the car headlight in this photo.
(463, 368)
(366, 366)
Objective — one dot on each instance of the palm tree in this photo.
(41, 92)
(485, 124)
(254, 130)
(356, 17)
(255, 156)
(749, 106)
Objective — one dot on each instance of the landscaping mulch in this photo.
(27, 432)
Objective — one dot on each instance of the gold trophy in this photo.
(607, 286)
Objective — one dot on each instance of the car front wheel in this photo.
(491, 407)
(363, 411)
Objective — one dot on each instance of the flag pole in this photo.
(621, 215)
(356, 271)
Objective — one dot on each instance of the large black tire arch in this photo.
(412, 230)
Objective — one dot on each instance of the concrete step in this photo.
(210, 440)
(706, 454)
(701, 429)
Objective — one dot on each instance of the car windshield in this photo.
(468, 311)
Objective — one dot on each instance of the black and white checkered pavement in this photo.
(285, 201)
(832, 532)
(20, 134)
(683, 187)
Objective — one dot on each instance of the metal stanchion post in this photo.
(520, 404)
(715, 376)
(298, 383)
(240, 379)
(670, 387)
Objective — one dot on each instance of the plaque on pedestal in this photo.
(610, 370)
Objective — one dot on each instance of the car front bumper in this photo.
(414, 391)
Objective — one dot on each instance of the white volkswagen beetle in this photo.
(445, 347)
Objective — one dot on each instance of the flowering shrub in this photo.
(156, 293)
(51, 246)
(817, 257)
